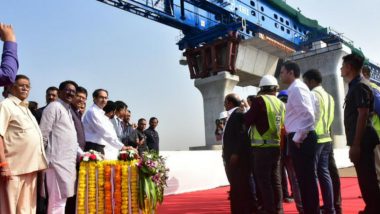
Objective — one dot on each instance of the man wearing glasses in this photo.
(60, 138)
(98, 129)
(21, 151)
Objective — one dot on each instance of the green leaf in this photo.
(154, 194)
(147, 188)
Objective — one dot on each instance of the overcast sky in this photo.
(136, 59)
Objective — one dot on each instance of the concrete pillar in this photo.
(328, 60)
(213, 90)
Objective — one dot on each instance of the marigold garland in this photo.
(124, 188)
(91, 188)
(112, 187)
(100, 201)
(81, 191)
(134, 189)
(107, 189)
(117, 190)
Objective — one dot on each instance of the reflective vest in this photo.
(275, 114)
(376, 123)
(375, 118)
(326, 115)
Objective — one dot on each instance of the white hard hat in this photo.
(222, 115)
(268, 80)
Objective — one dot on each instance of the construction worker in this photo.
(366, 71)
(324, 112)
(266, 118)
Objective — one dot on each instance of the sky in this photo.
(136, 59)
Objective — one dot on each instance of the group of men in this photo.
(45, 146)
(255, 141)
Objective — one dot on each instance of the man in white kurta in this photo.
(98, 129)
(60, 138)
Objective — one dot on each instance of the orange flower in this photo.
(107, 189)
(117, 193)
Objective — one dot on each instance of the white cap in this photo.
(268, 80)
(222, 115)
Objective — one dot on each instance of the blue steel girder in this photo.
(193, 40)
(266, 19)
(203, 17)
(196, 19)
(375, 72)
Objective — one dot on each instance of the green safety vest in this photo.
(375, 118)
(376, 123)
(276, 114)
(326, 117)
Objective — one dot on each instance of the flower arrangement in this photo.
(91, 155)
(153, 177)
(132, 184)
(129, 154)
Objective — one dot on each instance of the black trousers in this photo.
(266, 167)
(305, 168)
(366, 172)
(334, 174)
(240, 193)
(94, 146)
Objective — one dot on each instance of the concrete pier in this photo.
(213, 90)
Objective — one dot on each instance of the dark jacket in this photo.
(235, 138)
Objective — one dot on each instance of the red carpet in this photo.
(215, 201)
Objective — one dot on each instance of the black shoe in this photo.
(288, 200)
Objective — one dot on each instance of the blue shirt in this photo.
(9, 64)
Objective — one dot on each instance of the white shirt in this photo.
(229, 112)
(299, 117)
(99, 129)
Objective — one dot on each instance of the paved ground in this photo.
(347, 172)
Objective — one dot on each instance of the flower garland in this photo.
(81, 190)
(100, 201)
(124, 188)
(91, 182)
(117, 193)
(134, 188)
(107, 189)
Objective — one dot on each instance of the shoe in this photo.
(288, 200)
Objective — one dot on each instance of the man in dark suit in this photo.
(236, 156)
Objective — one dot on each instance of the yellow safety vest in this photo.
(376, 123)
(326, 117)
(375, 118)
(275, 114)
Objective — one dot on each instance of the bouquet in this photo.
(153, 177)
(129, 154)
(91, 155)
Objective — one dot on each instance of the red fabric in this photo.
(215, 201)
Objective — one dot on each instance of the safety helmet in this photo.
(283, 93)
(268, 80)
(222, 115)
